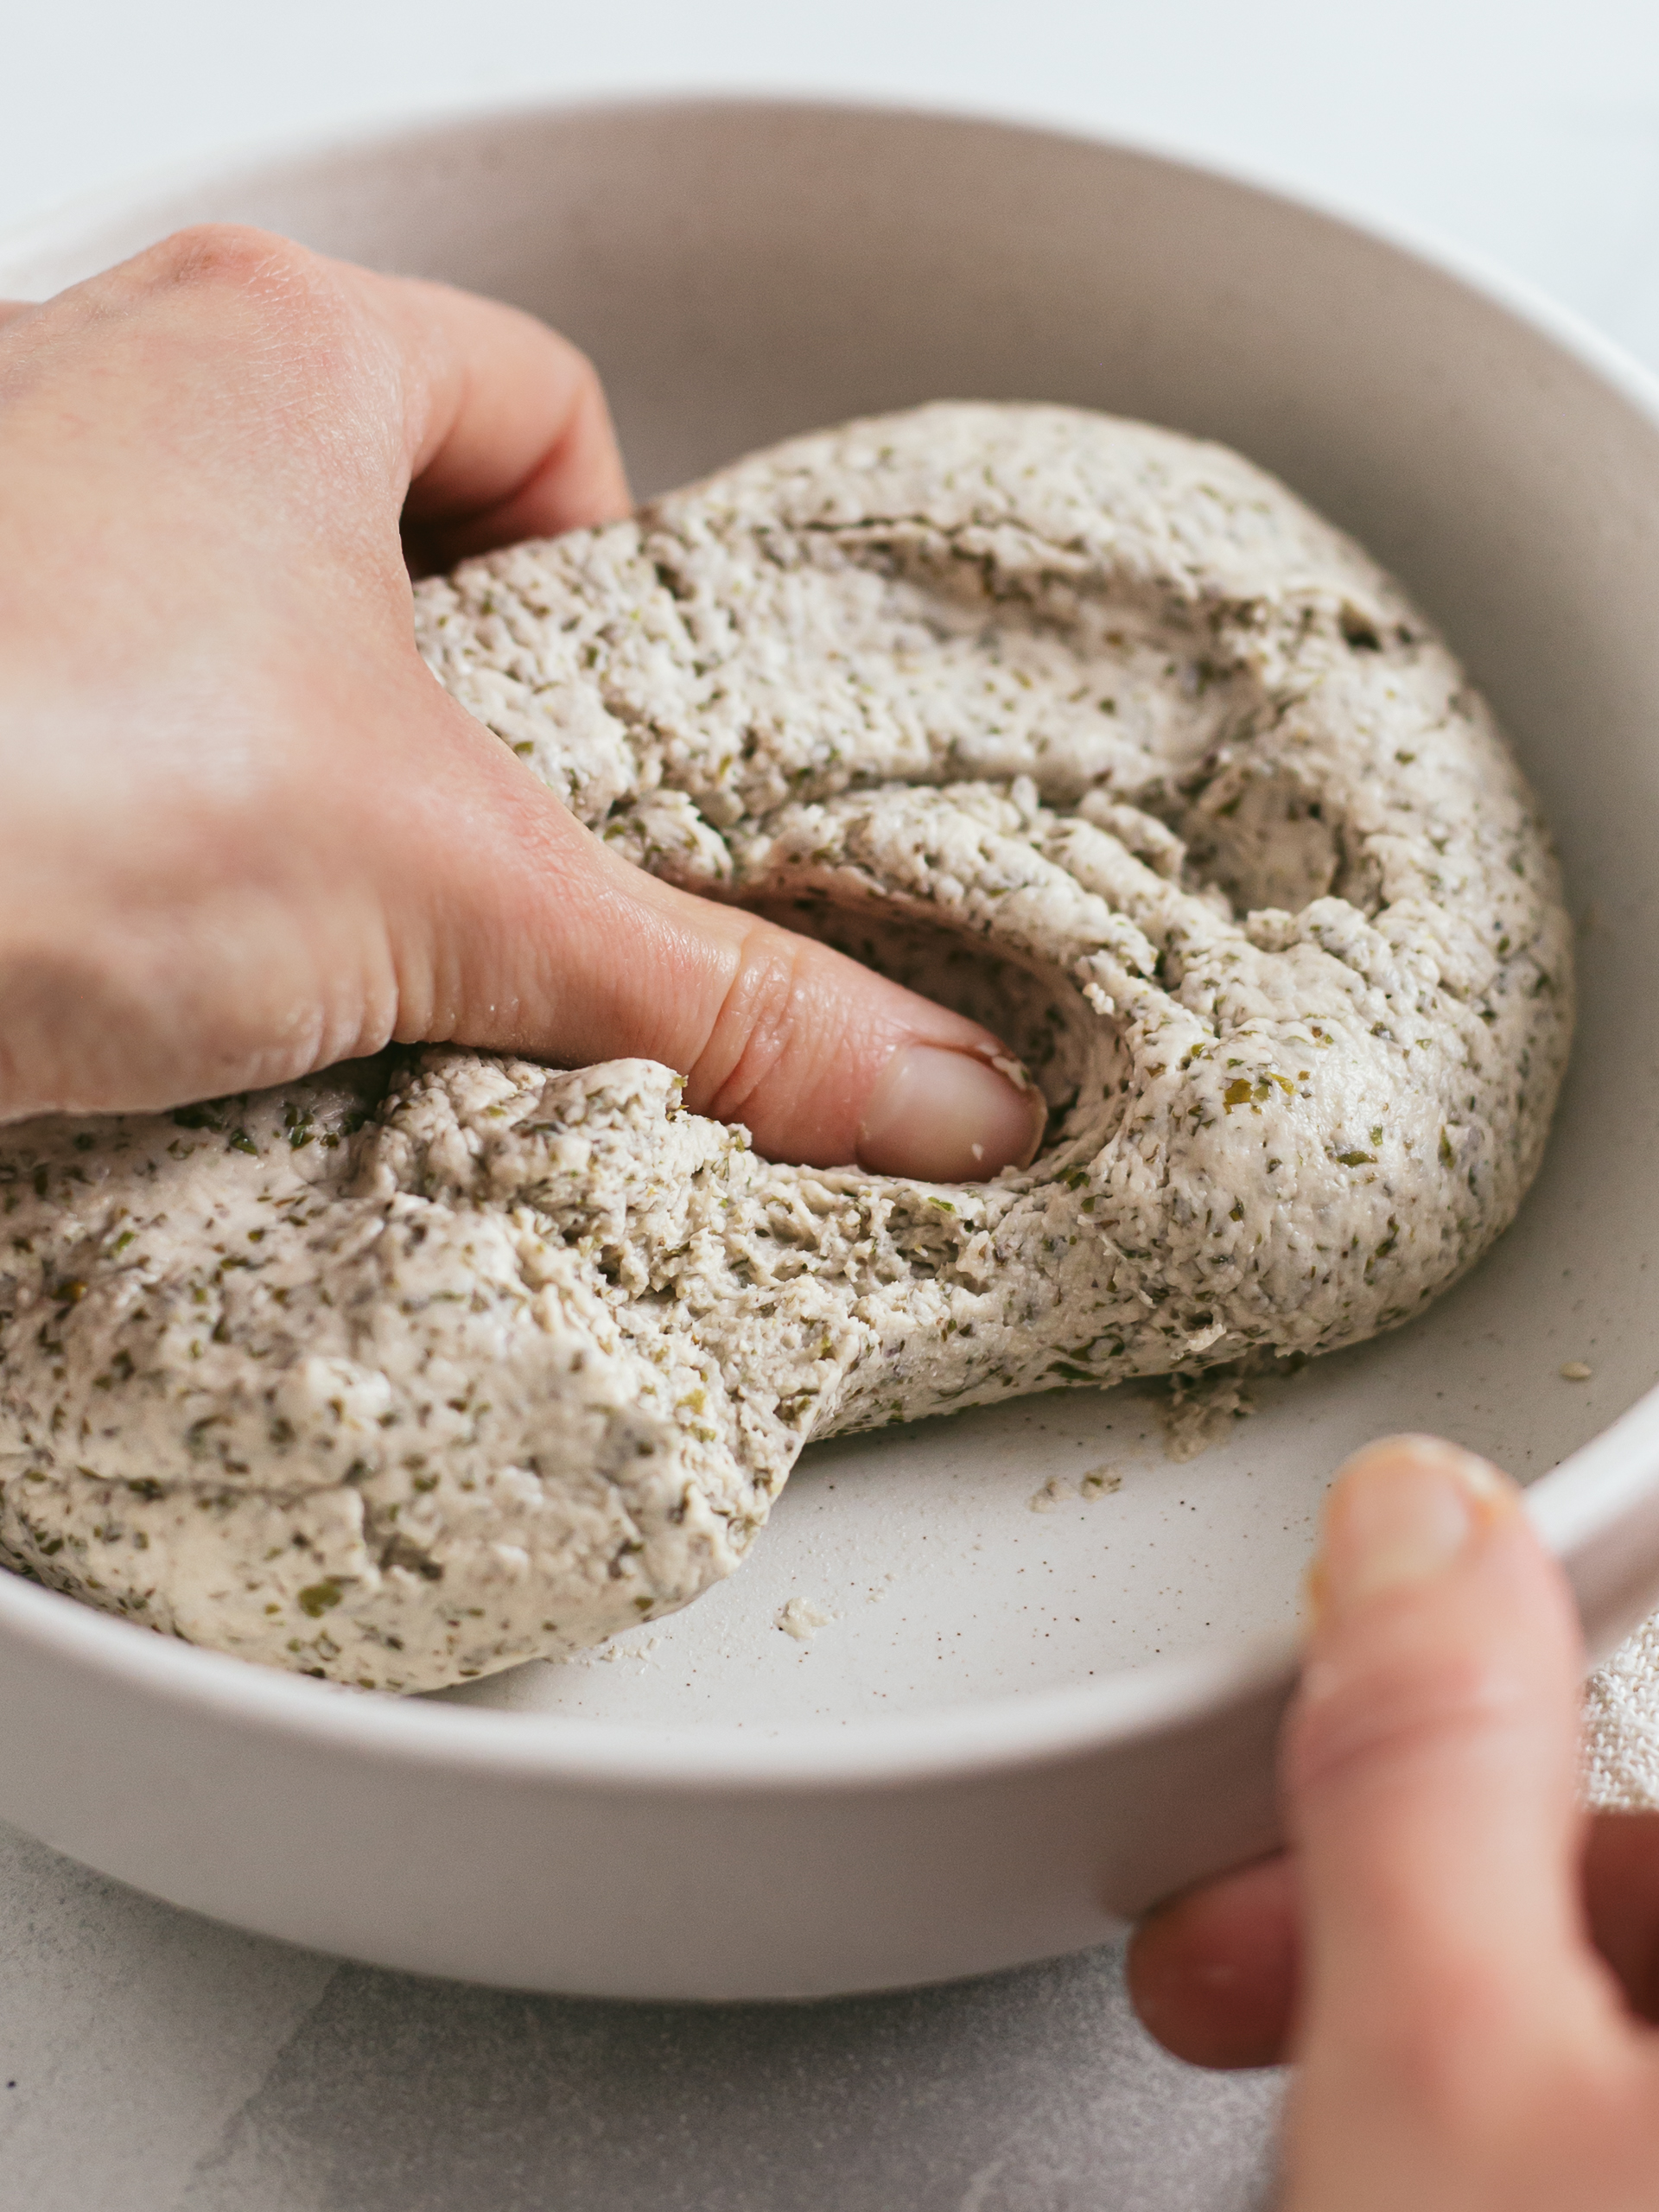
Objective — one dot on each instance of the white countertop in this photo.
(153, 2062)
(163, 2065)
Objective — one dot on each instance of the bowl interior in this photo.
(741, 272)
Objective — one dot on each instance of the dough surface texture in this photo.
(419, 1368)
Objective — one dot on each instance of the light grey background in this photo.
(151, 2062)
(1528, 130)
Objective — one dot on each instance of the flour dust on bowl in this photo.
(992, 1681)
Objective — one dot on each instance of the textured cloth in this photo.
(1621, 1724)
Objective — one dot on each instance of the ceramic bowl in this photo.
(1012, 1727)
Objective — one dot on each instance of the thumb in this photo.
(1429, 1771)
(521, 931)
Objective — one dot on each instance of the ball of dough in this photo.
(434, 1364)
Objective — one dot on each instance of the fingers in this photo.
(1212, 1972)
(540, 940)
(355, 394)
(1428, 1768)
(822, 1062)
(408, 878)
(303, 846)
(508, 433)
(1429, 1762)
(575, 957)
(1621, 1891)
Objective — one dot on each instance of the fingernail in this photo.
(948, 1117)
(1401, 1512)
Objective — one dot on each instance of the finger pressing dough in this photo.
(436, 1363)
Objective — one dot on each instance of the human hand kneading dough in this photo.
(244, 834)
(1465, 1968)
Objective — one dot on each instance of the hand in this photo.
(1461, 1965)
(244, 833)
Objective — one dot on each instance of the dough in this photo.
(437, 1363)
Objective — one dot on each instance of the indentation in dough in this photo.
(1258, 833)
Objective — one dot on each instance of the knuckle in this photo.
(295, 324)
(283, 304)
(1401, 1698)
(754, 1027)
(230, 257)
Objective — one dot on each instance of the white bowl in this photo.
(1017, 1727)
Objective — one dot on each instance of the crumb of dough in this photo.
(1053, 1492)
(419, 1368)
(640, 1652)
(1200, 1409)
(1575, 1371)
(801, 1619)
(1099, 1481)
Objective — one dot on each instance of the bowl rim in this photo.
(1574, 1505)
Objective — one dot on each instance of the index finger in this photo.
(507, 432)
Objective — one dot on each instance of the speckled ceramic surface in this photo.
(994, 1728)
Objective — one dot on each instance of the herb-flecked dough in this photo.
(430, 1364)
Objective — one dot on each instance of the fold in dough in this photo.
(424, 1366)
